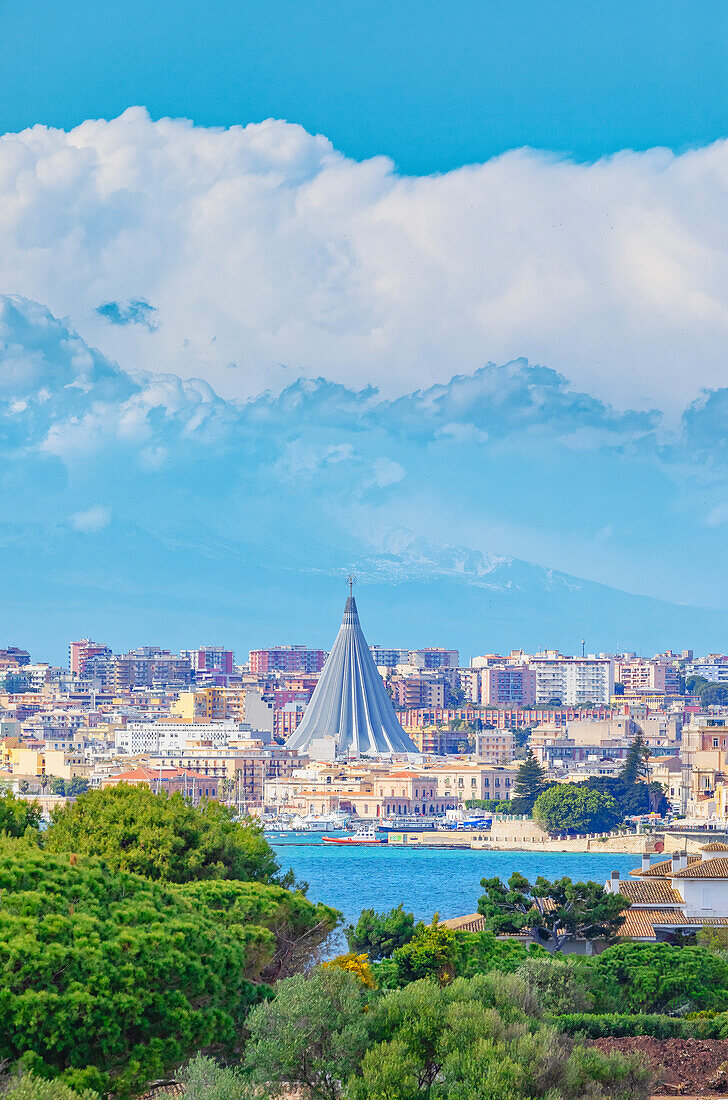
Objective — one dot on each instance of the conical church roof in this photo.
(350, 702)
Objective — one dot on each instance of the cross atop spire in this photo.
(351, 581)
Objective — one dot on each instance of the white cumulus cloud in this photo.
(264, 247)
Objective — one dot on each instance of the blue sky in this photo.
(239, 357)
(433, 84)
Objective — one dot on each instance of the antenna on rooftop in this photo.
(351, 581)
(582, 647)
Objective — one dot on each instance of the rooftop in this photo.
(658, 892)
(705, 868)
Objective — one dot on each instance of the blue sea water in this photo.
(425, 879)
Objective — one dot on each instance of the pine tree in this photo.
(635, 762)
(530, 781)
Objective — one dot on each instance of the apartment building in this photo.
(388, 658)
(286, 658)
(434, 657)
(210, 659)
(508, 686)
(638, 674)
(145, 667)
(714, 667)
(79, 653)
(368, 792)
(11, 657)
(166, 737)
(572, 681)
(419, 691)
(210, 704)
(248, 768)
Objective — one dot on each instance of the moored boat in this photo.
(367, 834)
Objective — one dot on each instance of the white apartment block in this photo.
(573, 680)
(714, 667)
(166, 737)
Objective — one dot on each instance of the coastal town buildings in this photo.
(404, 708)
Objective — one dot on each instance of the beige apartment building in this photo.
(459, 782)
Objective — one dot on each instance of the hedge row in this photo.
(615, 1025)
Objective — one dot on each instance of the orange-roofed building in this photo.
(168, 781)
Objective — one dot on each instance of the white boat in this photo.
(334, 819)
(367, 834)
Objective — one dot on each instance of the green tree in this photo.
(162, 837)
(313, 1035)
(576, 808)
(430, 953)
(23, 786)
(530, 781)
(17, 814)
(709, 693)
(659, 977)
(110, 978)
(553, 912)
(379, 934)
(634, 768)
(58, 785)
(76, 786)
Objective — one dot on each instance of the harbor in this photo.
(424, 879)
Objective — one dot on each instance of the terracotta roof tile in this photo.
(659, 892)
(639, 923)
(715, 846)
(474, 922)
(662, 869)
(705, 868)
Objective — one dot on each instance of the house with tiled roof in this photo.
(680, 895)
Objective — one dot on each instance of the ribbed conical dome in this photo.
(350, 702)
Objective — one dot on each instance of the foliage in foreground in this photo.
(30, 1087)
(466, 1040)
(615, 1024)
(111, 979)
(134, 829)
(659, 977)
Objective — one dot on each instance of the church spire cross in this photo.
(351, 581)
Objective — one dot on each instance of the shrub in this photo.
(30, 1087)
(617, 1025)
(659, 977)
(431, 953)
(17, 814)
(558, 984)
(205, 1079)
